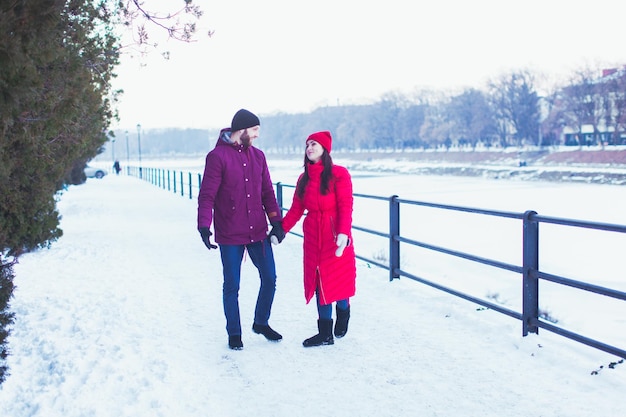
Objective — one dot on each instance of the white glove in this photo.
(342, 242)
(274, 240)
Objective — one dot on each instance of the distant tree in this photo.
(516, 104)
(409, 126)
(405, 116)
(614, 90)
(582, 101)
(472, 117)
(353, 128)
(552, 125)
(437, 129)
(510, 113)
(384, 120)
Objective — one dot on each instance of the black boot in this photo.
(341, 326)
(269, 333)
(234, 342)
(325, 335)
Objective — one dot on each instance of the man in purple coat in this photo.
(237, 197)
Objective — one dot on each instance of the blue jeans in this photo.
(325, 311)
(263, 259)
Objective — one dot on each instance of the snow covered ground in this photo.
(123, 317)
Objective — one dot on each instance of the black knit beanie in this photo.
(243, 119)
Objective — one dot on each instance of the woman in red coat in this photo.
(324, 190)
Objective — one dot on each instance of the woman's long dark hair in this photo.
(327, 175)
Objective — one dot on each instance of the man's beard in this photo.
(245, 140)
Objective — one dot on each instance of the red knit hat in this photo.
(323, 138)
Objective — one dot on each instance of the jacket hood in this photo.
(224, 135)
(224, 139)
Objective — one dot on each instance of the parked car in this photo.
(91, 172)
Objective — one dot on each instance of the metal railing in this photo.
(188, 184)
(178, 182)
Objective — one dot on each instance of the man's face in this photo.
(249, 134)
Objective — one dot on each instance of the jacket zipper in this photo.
(321, 287)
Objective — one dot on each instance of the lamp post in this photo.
(139, 145)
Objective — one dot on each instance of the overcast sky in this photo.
(286, 56)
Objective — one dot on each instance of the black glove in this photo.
(277, 231)
(205, 233)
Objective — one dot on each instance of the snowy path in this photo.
(123, 317)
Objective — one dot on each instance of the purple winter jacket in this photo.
(236, 193)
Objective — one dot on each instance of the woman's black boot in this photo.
(341, 326)
(325, 335)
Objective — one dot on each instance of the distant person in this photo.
(117, 167)
(324, 190)
(237, 197)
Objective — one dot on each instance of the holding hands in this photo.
(277, 234)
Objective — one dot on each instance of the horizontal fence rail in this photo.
(188, 185)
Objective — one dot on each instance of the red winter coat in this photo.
(327, 216)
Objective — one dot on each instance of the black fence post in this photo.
(394, 232)
(190, 187)
(169, 187)
(174, 181)
(199, 182)
(182, 184)
(279, 195)
(530, 282)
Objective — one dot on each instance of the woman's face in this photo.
(314, 151)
